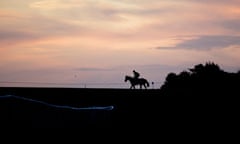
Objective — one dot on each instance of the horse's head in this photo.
(126, 78)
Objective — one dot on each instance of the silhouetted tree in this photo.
(205, 91)
(202, 80)
(171, 77)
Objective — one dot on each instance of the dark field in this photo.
(132, 109)
(127, 107)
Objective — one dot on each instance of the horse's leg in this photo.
(145, 85)
(132, 87)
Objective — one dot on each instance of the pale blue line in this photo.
(60, 106)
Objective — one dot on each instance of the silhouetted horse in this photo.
(134, 82)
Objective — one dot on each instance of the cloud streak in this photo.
(207, 42)
(92, 69)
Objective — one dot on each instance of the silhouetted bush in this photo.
(205, 91)
(202, 80)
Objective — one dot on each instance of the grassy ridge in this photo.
(132, 109)
(80, 96)
(128, 106)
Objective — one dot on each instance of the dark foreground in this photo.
(132, 109)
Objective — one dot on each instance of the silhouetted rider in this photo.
(135, 74)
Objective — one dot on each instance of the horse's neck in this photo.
(129, 78)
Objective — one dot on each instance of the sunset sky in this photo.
(95, 43)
